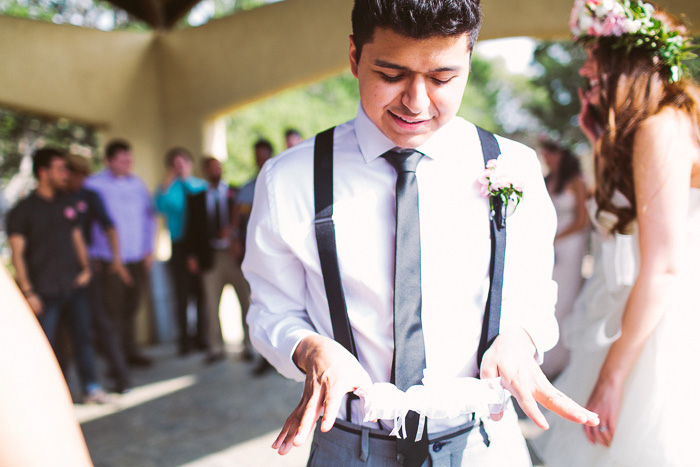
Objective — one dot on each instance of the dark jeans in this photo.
(74, 305)
(122, 301)
(107, 338)
(187, 286)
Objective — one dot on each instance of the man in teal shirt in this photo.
(171, 201)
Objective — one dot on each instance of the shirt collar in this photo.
(221, 187)
(373, 143)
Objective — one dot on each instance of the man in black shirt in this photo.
(50, 260)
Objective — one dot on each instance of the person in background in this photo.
(129, 205)
(171, 200)
(244, 198)
(38, 425)
(91, 210)
(633, 333)
(292, 137)
(211, 252)
(51, 263)
(568, 191)
(241, 214)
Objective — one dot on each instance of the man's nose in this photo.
(415, 97)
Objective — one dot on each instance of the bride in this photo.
(635, 331)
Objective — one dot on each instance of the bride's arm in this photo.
(578, 187)
(662, 168)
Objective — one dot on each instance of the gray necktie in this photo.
(409, 346)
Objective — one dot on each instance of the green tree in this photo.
(555, 103)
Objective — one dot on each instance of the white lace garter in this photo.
(436, 398)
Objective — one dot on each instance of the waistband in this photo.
(383, 435)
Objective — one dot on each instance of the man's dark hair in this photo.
(115, 146)
(43, 158)
(173, 153)
(263, 143)
(417, 19)
(206, 160)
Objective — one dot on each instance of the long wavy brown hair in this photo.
(634, 87)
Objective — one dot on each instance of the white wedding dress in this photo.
(568, 256)
(659, 419)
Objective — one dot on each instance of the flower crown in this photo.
(630, 24)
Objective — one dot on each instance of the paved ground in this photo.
(185, 413)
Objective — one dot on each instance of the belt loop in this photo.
(482, 430)
(364, 444)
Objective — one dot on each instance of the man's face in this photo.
(182, 166)
(75, 181)
(57, 174)
(292, 140)
(410, 88)
(262, 155)
(212, 171)
(121, 163)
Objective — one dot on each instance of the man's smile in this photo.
(408, 123)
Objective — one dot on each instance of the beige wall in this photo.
(104, 79)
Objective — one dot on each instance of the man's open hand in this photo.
(331, 372)
(512, 358)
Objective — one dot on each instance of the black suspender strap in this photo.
(325, 240)
(492, 314)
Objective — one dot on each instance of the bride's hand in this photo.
(605, 400)
(587, 119)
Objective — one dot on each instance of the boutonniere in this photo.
(504, 190)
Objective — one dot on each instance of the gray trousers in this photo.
(225, 270)
(478, 443)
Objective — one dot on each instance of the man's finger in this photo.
(308, 419)
(488, 370)
(531, 409)
(283, 433)
(331, 407)
(556, 401)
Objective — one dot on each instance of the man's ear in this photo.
(353, 56)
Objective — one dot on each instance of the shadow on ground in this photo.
(182, 412)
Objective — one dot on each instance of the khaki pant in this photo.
(225, 270)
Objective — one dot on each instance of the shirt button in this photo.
(437, 447)
(399, 458)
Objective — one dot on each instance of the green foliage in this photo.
(99, 14)
(309, 109)
(555, 102)
(21, 133)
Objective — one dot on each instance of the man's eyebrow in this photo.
(394, 66)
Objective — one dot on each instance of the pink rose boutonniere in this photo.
(70, 213)
(503, 189)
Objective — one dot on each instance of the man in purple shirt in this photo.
(128, 203)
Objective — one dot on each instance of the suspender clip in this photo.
(323, 219)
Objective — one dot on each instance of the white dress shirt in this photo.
(288, 300)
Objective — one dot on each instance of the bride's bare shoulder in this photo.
(669, 128)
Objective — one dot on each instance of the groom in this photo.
(411, 235)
